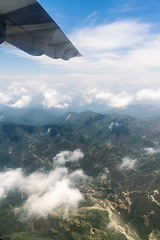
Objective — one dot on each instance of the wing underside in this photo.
(31, 29)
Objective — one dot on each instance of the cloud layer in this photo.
(46, 193)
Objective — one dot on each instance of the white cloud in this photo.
(67, 156)
(4, 98)
(108, 98)
(114, 100)
(10, 180)
(92, 14)
(16, 89)
(151, 151)
(61, 195)
(128, 163)
(53, 99)
(22, 102)
(149, 94)
(116, 35)
(46, 193)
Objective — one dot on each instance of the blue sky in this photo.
(120, 43)
(76, 12)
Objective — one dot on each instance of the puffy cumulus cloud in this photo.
(121, 100)
(108, 98)
(114, 100)
(151, 151)
(128, 163)
(49, 193)
(22, 102)
(46, 193)
(61, 195)
(149, 94)
(67, 156)
(12, 92)
(53, 99)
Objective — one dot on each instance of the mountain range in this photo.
(41, 116)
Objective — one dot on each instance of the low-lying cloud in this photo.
(46, 193)
(67, 156)
(151, 151)
(24, 101)
(128, 163)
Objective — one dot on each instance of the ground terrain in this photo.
(121, 199)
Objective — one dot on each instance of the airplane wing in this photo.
(28, 27)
